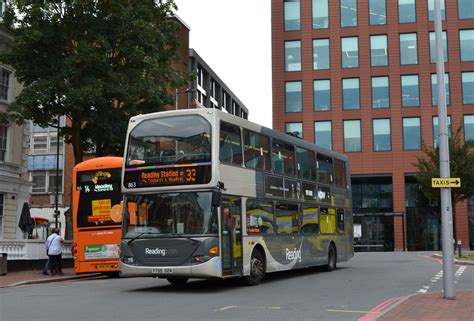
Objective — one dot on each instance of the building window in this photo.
(410, 91)
(433, 47)
(469, 129)
(352, 141)
(321, 54)
(378, 51)
(3, 142)
(201, 84)
(294, 129)
(322, 95)
(382, 137)
(323, 134)
(292, 15)
(4, 84)
(45, 181)
(406, 11)
(350, 52)
(377, 12)
(320, 14)
(408, 49)
(44, 140)
(292, 55)
(466, 11)
(431, 10)
(466, 38)
(436, 130)
(293, 97)
(350, 93)
(380, 92)
(411, 133)
(468, 87)
(434, 89)
(348, 13)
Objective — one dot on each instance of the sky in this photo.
(234, 38)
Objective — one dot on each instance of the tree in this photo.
(461, 165)
(98, 62)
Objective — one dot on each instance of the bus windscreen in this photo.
(169, 151)
(99, 198)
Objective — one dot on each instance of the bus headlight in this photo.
(128, 260)
(201, 258)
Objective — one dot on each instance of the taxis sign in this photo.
(445, 182)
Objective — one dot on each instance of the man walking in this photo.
(54, 249)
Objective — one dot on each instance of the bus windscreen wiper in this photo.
(140, 235)
(183, 236)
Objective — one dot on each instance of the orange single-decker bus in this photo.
(97, 215)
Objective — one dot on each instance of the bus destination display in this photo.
(185, 174)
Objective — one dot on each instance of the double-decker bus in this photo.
(212, 195)
(97, 215)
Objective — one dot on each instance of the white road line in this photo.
(226, 308)
(349, 311)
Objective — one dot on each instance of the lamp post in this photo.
(444, 166)
(187, 91)
(56, 194)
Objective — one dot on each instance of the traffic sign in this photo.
(446, 182)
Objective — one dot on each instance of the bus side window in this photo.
(340, 220)
(309, 220)
(230, 145)
(340, 173)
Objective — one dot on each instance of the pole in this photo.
(56, 195)
(176, 99)
(446, 210)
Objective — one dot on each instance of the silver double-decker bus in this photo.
(211, 195)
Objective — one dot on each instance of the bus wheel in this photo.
(257, 269)
(177, 281)
(332, 259)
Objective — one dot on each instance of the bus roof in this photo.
(243, 123)
(99, 162)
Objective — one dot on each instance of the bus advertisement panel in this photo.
(97, 215)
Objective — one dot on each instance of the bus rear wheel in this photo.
(177, 281)
(332, 259)
(257, 269)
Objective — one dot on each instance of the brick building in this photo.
(359, 77)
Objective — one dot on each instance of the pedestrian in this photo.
(54, 250)
(46, 266)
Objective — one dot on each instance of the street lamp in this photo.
(187, 91)
(56, 194)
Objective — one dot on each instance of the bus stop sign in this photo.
(445, 182)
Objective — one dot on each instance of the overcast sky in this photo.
(234, 38)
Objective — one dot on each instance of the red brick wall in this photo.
(396, 162)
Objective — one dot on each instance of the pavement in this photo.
(18, 278)
(416, 307)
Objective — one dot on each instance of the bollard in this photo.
(459, 249)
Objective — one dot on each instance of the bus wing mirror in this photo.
(216, 198)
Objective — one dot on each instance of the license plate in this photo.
(104, 266)
(161, 271)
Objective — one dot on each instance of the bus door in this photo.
(231, 236)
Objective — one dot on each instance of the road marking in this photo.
(266, 308)
(349, 311)
(372, 314)
(226, 308)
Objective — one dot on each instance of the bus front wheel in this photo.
(257, 269)
(332, 258)
(177, 281)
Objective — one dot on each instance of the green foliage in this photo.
(98, 62)
(461, 165)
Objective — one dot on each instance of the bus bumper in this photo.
(209, 269)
